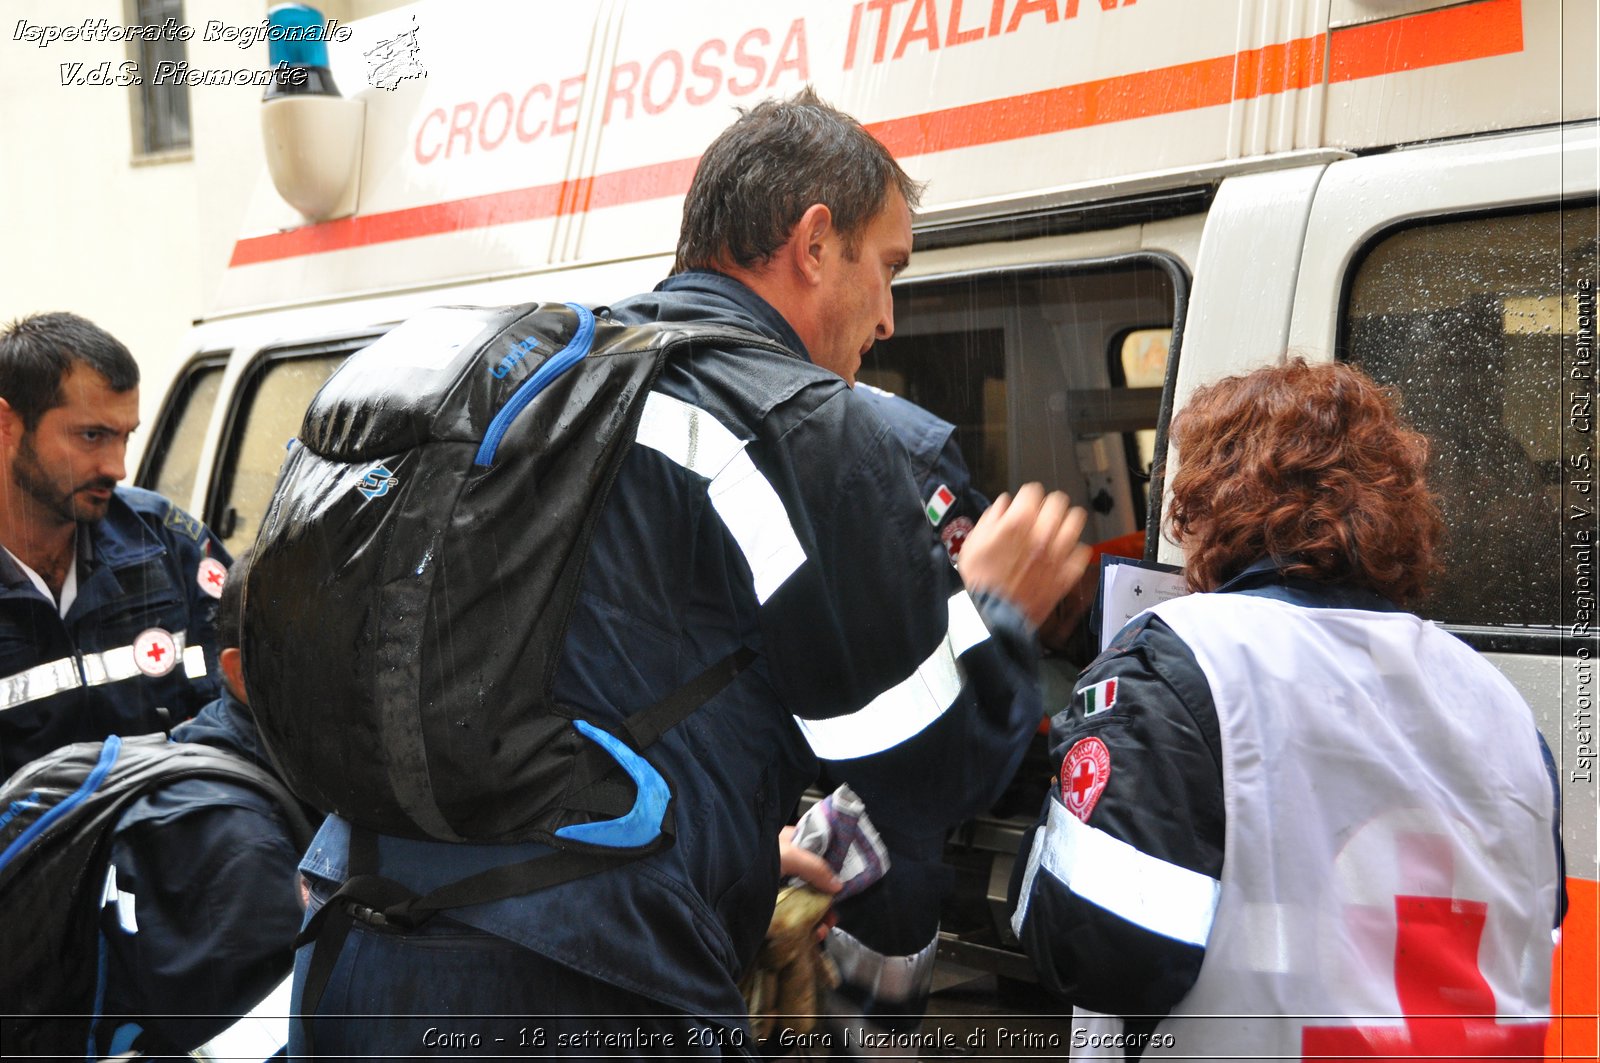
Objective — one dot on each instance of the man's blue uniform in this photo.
(887, 936)
(201, 905)
(949, 497)
(139, 638)
(860, 613)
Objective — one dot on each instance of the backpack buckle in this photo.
(370, 916)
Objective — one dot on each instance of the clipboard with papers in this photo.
(1128, 587)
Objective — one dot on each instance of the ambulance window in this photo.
(264, 418)
(1139, 360)
(1017, 361)
(961, 376)
(1475, 321)
(175, 446)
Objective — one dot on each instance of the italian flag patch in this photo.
(940, 504)
(1100, 697)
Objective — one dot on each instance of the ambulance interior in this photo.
(1050, 373)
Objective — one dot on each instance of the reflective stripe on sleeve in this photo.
(1161, 897)
(106, 666)
(881, 979)
(750, 509)
(906, 709)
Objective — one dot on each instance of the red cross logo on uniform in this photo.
(155, 652)
(1447, 1005)
(1083, 780)
(1085, 770)
(212, 575)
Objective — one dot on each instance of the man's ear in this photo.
(11, 426)
(808, 242)
(232, 662)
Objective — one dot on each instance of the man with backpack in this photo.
(150, 885)
(201, 902)
(758, 590)
(107, 593)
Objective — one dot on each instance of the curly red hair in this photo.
(1311, 466)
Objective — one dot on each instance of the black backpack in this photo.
(414, 575)
(410, 592)
(57, 819)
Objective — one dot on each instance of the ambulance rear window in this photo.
(1476, 322)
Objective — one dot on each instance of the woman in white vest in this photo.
(1293, 821)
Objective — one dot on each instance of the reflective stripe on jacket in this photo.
(138, 638)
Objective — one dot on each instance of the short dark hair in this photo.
(1311, 466)
(37, 352)
(769, 167)
(230, 608)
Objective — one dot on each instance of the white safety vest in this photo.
(1388, 883)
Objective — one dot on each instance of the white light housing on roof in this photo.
(312, 135)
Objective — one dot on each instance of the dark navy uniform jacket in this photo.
(839, 591)
(201, 906)
(140, 636)
(900, 915)
(950, 500)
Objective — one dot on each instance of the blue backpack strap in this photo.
(109, 751)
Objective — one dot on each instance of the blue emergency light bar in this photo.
(297, 48)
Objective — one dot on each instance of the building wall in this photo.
(136, 245)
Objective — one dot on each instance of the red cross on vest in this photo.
(156, 652)
(1447, 1005)
(211, 575)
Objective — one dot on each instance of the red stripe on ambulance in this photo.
(1453, 35)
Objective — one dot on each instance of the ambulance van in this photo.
(1126, 199)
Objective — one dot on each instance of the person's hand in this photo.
(1026, 550)
(805, 865)
(813, 870)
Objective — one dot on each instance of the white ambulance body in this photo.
(1125, 200)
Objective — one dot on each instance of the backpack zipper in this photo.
(567, 357)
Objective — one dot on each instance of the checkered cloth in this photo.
(838, 830)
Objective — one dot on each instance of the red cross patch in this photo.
(1084, 774)
(211, 576)
(954, 536)
(155, 652)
